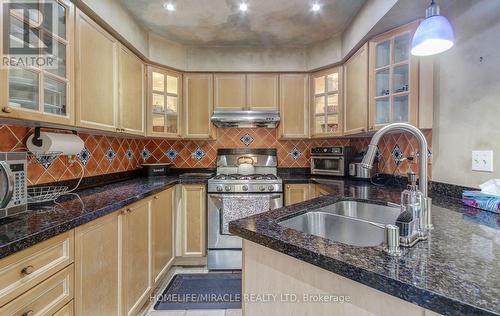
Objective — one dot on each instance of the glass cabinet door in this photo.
(42, 87)
(164, 104)
(392, 67)
(326, 116)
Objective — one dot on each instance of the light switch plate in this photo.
(482, 160)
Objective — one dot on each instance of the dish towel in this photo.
(482, 200)
(239, 206)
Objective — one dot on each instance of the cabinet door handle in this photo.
(29, 313)
(28, 270)
(7, 109)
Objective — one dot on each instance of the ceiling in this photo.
(267, 23)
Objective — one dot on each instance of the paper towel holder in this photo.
(37, 141)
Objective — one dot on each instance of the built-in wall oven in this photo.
(331, 161)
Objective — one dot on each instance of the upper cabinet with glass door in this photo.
(326, 113)
(40, 91)
(164, 101)
(393, 78)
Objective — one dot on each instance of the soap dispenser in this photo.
(411, 203)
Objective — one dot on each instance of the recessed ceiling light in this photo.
(243, 7)
(169, 6)
(316, 7)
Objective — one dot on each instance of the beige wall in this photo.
(467, 94)
(165, 52)
(326, 53)
(162, 51)
(245, 59)
(120, 19)
(366, 19)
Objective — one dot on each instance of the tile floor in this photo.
(150, 311)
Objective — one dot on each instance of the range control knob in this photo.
(227, 188)
(270, 188)
(219, 188)
(262, 188)
(245, 187)
(325, 150)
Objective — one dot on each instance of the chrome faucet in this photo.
(423, 163)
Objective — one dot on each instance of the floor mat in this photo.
(202, 291)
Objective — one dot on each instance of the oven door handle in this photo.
(328, 157)
(271, 196)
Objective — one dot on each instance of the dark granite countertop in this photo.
(454, 272)
(44, 221)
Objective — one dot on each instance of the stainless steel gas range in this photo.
(232, 196)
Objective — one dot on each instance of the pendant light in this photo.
(434, 35)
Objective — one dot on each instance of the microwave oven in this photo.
(13, 183)
(331, 161)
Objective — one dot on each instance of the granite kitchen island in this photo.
(454, 272)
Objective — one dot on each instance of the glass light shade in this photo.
(433, 36)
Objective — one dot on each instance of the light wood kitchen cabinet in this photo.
(44, 299)
(66, 310)
(42, 94)
(198, 106)
(162, 219)
(294, 106)
(136, 272)
(96, 76)
(262, 92)
(27, 268)
(356, 92)
(296, 193)
(131, 92)
(164, 103)
(97, 261)
(193, 221)
(326, 103)
(230, 92)
(393, 78)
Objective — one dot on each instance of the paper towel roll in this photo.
(66, 144)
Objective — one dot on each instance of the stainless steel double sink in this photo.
(349, 222)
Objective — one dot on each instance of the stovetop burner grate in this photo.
(245, 177)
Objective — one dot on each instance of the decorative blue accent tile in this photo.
(247, 139)
(171, 154)
(397, 154)
(145, 154)
(129, 154)
(110, 155)
(199, 153)
(295, 153)
(84, 156)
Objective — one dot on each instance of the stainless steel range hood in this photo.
(246, 119)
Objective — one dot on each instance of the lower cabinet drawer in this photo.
(27, 268)
(67, 310)
(46, 298)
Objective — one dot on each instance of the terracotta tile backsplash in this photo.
(109, 154)
(393, 146)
